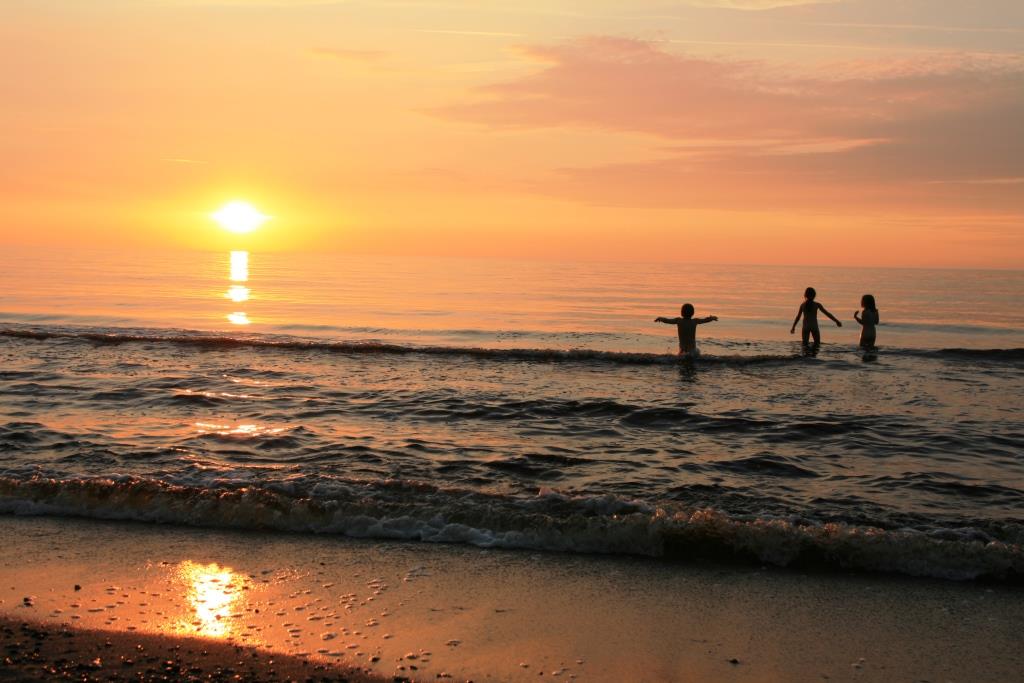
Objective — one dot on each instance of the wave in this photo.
(948, 328)
(408, 510)
(982, 354)
(376, 347)
(545, 355)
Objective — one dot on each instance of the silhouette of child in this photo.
(868, 319)
(809, 310)
(687, 328)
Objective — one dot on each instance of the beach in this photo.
(41, 652)
(454, 495)
(610, 340)
(429, 611)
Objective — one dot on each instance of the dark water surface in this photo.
(580, 435)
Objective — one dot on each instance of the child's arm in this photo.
(799, 312)
(709, 319)
(856, 316)
(825, 311)
(667, 321)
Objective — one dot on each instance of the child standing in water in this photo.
(687, 328)
(809, 310)
(868, 319)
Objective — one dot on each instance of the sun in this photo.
(239, 217)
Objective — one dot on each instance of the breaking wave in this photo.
(397, 509)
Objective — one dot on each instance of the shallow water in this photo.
(421, 399)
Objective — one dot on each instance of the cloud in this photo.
(480, 34)
(755, 4)
(922, 27)
(757, 134)
(918, 14)
(286, 4)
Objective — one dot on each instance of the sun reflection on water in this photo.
(215, 594)
(239, 272)
(239, 266)
(242, 430)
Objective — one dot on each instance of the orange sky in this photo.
(851, 132)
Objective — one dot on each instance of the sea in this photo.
(525, 405)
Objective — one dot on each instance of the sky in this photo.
(844, 132)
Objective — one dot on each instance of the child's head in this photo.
(687, 310)
(809, 294)
(868, 301)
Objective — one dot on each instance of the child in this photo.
(867, 322)
(687, 328)
(809, 310)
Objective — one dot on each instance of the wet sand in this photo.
(43, 652)
(434, 612)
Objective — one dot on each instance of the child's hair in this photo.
(868, 301)
(687, 310)
(809, 294)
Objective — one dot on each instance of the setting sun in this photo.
(239, 217)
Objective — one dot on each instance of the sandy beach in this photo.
(298, 606)
(42, 652)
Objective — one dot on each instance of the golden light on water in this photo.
(239, 266)
(239, 293)
(239, 217)
(215, 596)
(241, 430)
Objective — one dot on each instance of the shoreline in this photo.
(430, 612)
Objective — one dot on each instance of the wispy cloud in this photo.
(920, 27)
(254, 3)
(801, 44)
(755, 4)
(479, 34)
(285, 4)
(755, 134)
(983, 181)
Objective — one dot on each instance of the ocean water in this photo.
(520, 405)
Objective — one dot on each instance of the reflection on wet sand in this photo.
(215, 594)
